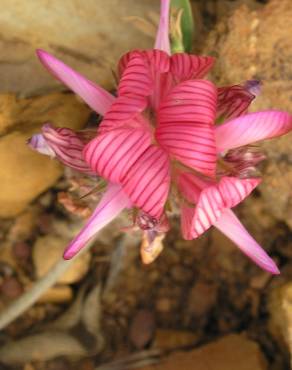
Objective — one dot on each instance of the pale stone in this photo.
(266, 55)
(57, 294)
(48, 250)
(280, 308)
(229, 353)
(89, 35)
(24, 174)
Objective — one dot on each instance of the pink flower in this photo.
(158, 144)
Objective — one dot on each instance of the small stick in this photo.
(27, 299)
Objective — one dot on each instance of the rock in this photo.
(11, 288)
(24, 174)
(229, 353)
(167, 339)
(163, 305)
(264, 55)
(23, 225)
(142, 328)
(21, 251)
(280, 309)
(88, 35)
(202, 298)
(57, 294)
(48, 250)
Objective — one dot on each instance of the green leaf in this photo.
(187, 25)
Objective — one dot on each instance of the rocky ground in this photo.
(201, 305)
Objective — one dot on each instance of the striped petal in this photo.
(124, 111)
(233, 101)
(211, 201)
(186, 67)
(136, 78)
(185, 126)
(158, 60)
(96, 97)
(229, 225)
(112, 203)
(66, 145)
(113, 153)
(251, 128)
(162, 37)
(147, 182)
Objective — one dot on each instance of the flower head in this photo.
(159, 148)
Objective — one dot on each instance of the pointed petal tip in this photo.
(68, 255)
(95, 96)
(44, 56)
(274, 270)
(70, 252)
(162, 37)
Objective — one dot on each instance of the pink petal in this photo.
(186, 67)
(147, 181)
(157, 60)
(136, 78)
(143, 74)
(96, 97)
(185, 128)
(67, 147)
(212, 200)
(162, 37)
(138, 122)
(113, 153)
(229, 225)
(233, 101)
(112, 203)
(251, 128)
(187, 214)
(124, 111)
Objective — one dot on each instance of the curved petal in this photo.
(185, 128)
(136, 78)
(186, 67)
(122, 111)
(233, 101)
(212, 200)
(229, 225)
(64, 143)
(158, 60)
(251, 128)
(147, 182)
(112, 203)
(143, 73)
(96, 97)
(113, 153)
(162, 37)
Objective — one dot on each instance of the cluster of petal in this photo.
(159, 133)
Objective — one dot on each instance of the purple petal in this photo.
(112, 203)
(38, 142)
(162, 37)
(253, 86)
(229, 225)
(96, 97)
